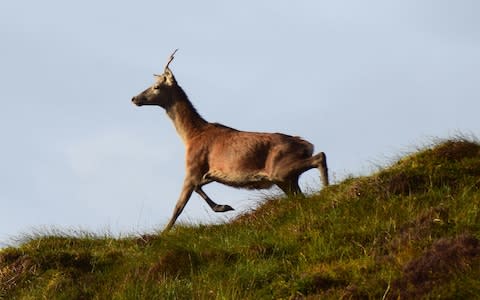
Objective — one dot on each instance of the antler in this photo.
(171, 58)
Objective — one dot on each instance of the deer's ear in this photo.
(169, 78)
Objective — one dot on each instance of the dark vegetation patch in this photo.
(174, 263)
(313, 284)
(444, 260)
(452, 150)
(433, 222)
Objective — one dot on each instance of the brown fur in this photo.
(215, 152)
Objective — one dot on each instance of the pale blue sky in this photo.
(362, 80)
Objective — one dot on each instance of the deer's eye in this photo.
(156, 86)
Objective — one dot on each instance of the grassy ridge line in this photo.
(411, 230)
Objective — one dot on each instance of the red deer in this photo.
(215, 152)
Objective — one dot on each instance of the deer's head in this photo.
(160, 93)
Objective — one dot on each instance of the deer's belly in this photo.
(241, 180)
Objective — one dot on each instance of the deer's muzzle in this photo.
(135, 101)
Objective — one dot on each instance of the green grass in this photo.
(411, 230)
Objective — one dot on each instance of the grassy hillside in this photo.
(410, 230)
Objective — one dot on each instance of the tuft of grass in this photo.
(410, 230)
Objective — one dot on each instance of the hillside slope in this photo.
(410, 230)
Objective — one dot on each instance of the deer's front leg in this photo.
(214, 206)
(187, 190)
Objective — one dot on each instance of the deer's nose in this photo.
(135, 101)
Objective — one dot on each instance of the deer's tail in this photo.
(320, 161)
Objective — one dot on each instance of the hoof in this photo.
(222, 208)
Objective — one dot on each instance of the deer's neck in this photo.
(186, 119)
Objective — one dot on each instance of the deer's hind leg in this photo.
(320, 162)
(290, 187)
(214, 206)
(290, 168)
